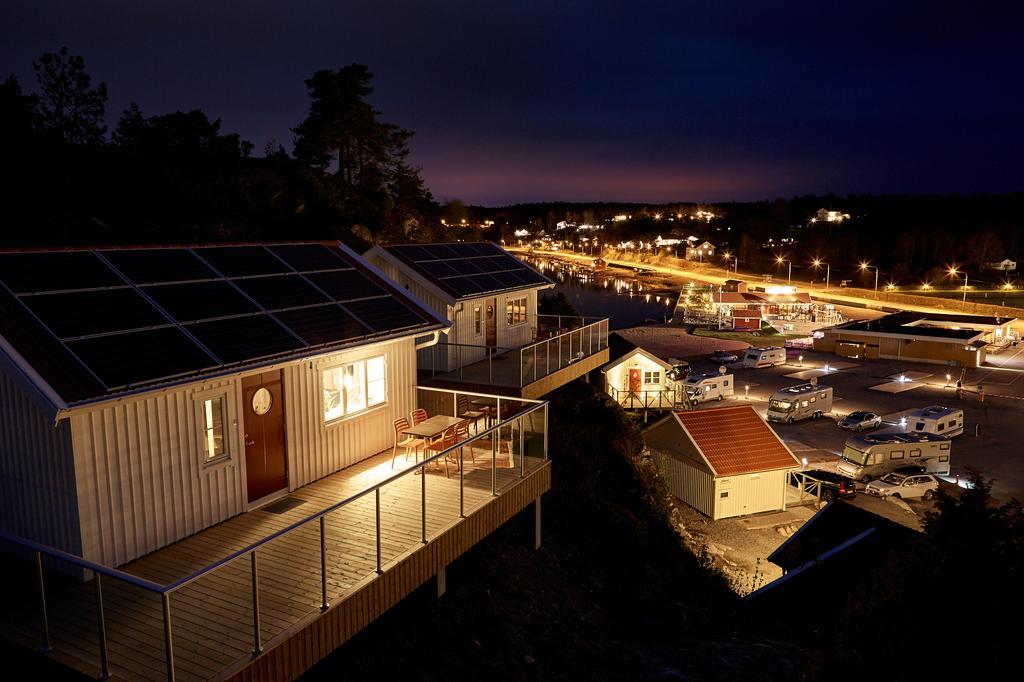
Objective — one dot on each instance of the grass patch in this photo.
(750, 337)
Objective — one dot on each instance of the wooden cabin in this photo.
(149, 393)
(635, 378)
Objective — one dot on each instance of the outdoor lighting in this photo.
(926, 286)
(1007, 285)
(828, 269)
(803, 460)
(780, 260)
(867, 266)
(827, 368)
(948, 377)
(953, 272)
(903, 421)
(801, 359)
(746, 391)
(890, 286)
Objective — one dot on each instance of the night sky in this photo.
(633, 101)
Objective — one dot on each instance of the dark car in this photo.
(680, 371)
(828, 484)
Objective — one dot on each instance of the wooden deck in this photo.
(212, 618)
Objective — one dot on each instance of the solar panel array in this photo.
(469, 269)
(135, 316)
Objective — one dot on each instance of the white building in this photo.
(1005, 265)
(636, 378)
(148, 394)
(724, 461)
(701, 252)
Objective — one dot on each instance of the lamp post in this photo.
(780, 260)
(865, 266)
(735, 260)
(828, 269)
(953, 272)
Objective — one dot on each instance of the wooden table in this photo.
(432, 427)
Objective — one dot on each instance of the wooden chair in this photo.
(447, 440)
(465, 411)
(410, 443)
(419, 415)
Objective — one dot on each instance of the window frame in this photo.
(652, 377)
(340, 365)
(517, 311)
(478, 319)
(226, 396)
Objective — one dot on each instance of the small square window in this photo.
(724, 494)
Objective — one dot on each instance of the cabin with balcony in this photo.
(233, 436)
(498, 342)
(636, 378)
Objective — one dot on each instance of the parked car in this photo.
(724, 357)
(680, 371)
(832, 485)
(904, 486)
(860, 420)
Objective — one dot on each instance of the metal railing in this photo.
(540, 359)
(514, 426)
(660, 399)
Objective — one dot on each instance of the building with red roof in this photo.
(723, 461)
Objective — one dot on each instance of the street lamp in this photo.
(953, 272)
(736, 262)
(780, 260)
(828, 269)
(865, 267)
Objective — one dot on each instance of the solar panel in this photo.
(82, 313)
(439, 269)
(463, 286)
(55, 271)
(467, 269)
(385, 314)
(441, 252)
(417, 253)
(136, 357)
(286, 291)
(345, 285)
(322, 324)
(145, 266)
(244, 338)
(200, 300)
(309, 256)
(242, 261)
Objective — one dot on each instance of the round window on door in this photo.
(261, 401)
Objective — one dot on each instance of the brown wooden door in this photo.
(636, 380)
(491, 324)
(266, 469)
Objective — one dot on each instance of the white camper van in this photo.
(943, 421)
(764, 357)
(867, 457)
(799, 402)
(701, 388)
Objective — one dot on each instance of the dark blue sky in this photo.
(644, 101)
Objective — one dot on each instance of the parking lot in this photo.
(875, 386)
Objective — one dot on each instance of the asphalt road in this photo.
(996, 451)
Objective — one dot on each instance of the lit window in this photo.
(354, 387)
(652, 377)
(214, 411)
(515, 310)
(478, 320)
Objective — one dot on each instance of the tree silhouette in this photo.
(67, 104)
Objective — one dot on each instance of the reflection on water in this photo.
(626, 300)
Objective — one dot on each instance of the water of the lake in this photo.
(626, 300)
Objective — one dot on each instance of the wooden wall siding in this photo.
(316, 450)
(691, 485)
(142, 481)
(37, 474)
(545, 385)
(750, 494)
(293, 653)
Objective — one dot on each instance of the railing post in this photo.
(494, 459)
(423, 505)
(522, 449)
(377, 498)
(324, 604)
(545, 432)
(535, 363)
(168, 642)
(44, 620)
(462, 489)
(257, 646)
(101, 626)
(559, 352)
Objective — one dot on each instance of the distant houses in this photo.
(1005, 265)
(700, 252)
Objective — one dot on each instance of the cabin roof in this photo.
(95, 323)
(468, 269)
(736, 440)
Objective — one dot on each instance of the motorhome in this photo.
(866, 457)
(799, 402)
(942, 421)
(701, 388)
(764, 357)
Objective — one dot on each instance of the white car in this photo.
(723, 357)
(904, 486)
(860, 420)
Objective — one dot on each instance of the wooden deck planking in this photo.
(212, 617)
